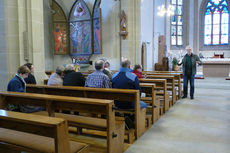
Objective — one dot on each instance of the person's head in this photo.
(189, 50)
(107, 64)
(138, 67)
(69, 67)
(99, 65)
(125, 63)
(30, 66)
(60, 70)
(23, 71)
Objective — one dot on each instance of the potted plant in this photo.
(174, 64)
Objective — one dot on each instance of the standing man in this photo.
(189, 70)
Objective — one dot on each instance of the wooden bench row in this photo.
(115, 130)
(31, 133)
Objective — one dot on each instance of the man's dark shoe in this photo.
(184, 97)
(192, 97)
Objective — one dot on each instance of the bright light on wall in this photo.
(165, 11)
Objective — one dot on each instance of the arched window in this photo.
(80, 21)
(60, 29)
(85, 31)
(177, 24)
(216, 23)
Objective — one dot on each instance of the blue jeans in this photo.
(191, 80)
(142, 104)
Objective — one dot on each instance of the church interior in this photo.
(177, 102)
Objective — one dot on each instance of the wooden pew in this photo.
(100, 93)
(160, 86)
(115, 132)
(177, 79)
(152, 99)
(32, 133)
(170, 87)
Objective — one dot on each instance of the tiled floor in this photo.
(201, 125)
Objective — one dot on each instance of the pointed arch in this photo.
(80, 21)
(60, 29)
(214, 25)
(97, 24)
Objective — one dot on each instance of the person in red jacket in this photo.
(138, 71)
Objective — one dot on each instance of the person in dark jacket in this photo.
(18, 84)
(30, 79)
(125, 79)
(189, 70)
(73, 78)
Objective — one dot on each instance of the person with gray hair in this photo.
(106, 69)
(98, 79)
(72, 78)
(189, 70)
(125, 79)
(56, 79)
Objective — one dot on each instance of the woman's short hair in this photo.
(23, 70)
(29, 65)
(60, 70)
(137, 66)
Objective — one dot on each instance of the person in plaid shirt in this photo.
(98, 79)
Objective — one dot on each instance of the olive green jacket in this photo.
(195, 58)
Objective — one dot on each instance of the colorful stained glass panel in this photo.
(216, 2)
(173, 30)
(225, 3)
(179, 20)
(179, 10)
(174, 20)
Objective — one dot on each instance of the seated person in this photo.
(73, 78)
(98, 79)
(30, 79)
(56, 79)
(138, 71)
(106, 69)
(125, 79)
(18, 84)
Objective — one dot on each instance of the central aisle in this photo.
(201, 125)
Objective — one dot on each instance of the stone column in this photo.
(131, 47)
(22, 38)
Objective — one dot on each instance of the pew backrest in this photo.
(55, 128)
(127, 95)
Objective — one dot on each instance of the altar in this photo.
(216, 67)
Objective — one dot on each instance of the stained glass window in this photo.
(177, 23)
(60, 30)
(216, 23)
